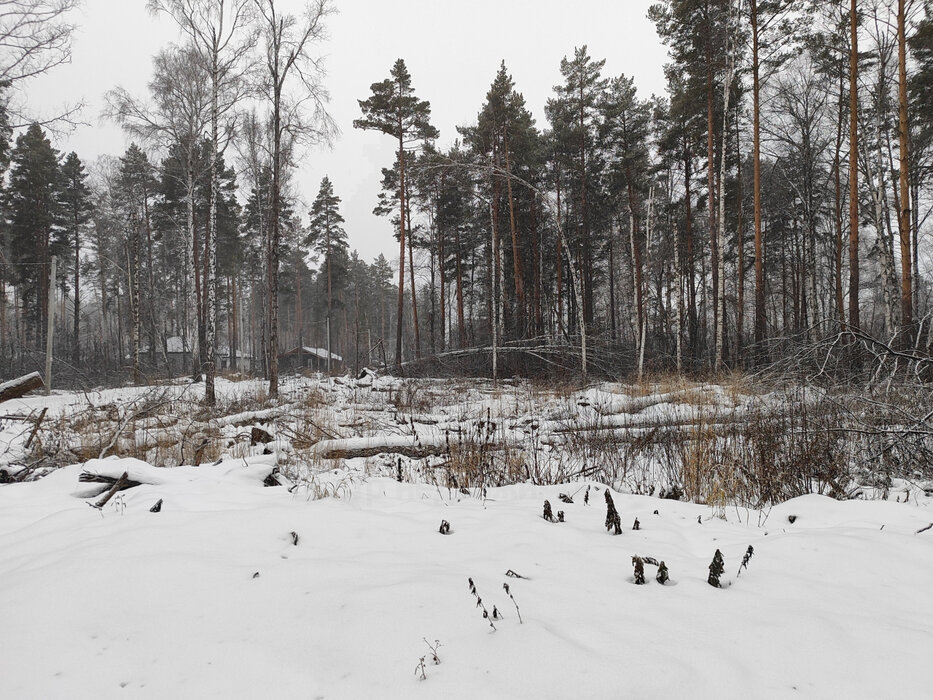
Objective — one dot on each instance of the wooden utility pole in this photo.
(51, 327)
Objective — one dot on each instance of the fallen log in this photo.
(15, 388)
(407, 446)
(90, 478)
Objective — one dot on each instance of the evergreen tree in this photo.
(327, 237)
(394, 110)
(137, 188)
(625, 135)
(76, 204)
(697, 33)
(574, 114)
(506, 141)
(33, 205)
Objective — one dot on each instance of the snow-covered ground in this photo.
(212, 597)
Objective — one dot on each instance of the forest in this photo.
(772, 204)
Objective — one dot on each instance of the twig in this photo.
(119, 484)
(35, 429)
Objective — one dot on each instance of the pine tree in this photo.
(624, 137)
(573, 115)
(33, 205)
(697, 33)
(394, 110)
(137, 186)
(505, 141)
(327, 237)
(76, 204)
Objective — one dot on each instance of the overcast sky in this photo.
(452, 50)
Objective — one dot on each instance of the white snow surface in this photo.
(129, 603)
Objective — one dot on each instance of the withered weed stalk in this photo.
(434, 647)
(505, 587)
(613, 521)
(479, 604)
(639, 564)
(748, 555)
(716, 569)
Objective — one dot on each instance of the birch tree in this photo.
(176, 116)
(298, 116)
(221, 34)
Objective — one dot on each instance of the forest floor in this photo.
(338, 584)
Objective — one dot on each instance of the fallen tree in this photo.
(16, 388)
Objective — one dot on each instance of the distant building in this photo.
(305, 357)
(177, 353)
(243, 363)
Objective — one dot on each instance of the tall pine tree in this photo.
(394, 110)
(76, 208)
(327, 237)
(34, 209)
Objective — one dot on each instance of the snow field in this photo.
(128, 603)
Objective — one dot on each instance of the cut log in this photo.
(15, 388)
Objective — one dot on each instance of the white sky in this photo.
(452, 50)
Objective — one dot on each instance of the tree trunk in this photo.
(854, 321)
(210, 281)
(612, 286)
(885, 251)
(274, 235)
(520, 311)
(720, 276)
(461, 320)
(760, 312)
(837, 202)
(711, 182)
(401, 254)
(903, 219)
(560, 292)
(689, 262)
(411, 279)
(76, 350)
(740, 246)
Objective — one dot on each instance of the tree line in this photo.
(777, 193)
